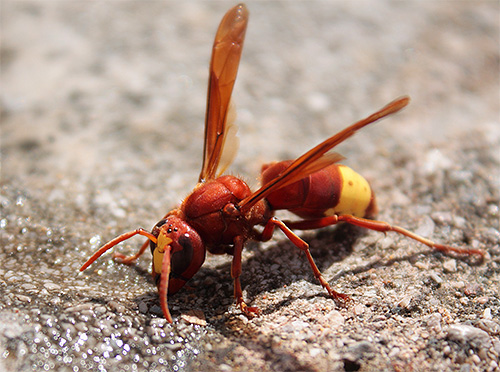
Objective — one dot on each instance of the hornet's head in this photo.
(178, 254)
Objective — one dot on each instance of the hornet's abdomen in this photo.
(336, 189)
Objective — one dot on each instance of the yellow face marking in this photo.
(355, 195)
(159, 251)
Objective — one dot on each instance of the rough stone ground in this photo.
(101, 132)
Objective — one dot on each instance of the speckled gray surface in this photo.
(101, 132)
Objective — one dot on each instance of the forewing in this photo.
(226, 54)
(319, 157)
(230, 142)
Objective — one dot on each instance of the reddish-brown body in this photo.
(211, 210)
(222, 213)
(316, 195)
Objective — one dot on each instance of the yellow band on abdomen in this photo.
(355, 195)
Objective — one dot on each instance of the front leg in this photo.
(249, 311)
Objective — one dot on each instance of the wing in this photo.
(224, 64)
(320, 156)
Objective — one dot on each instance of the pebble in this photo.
(158, 322)
(482, 299)
(475, 359)
(450, 266)
(469, 335)
(68, 328)
(174, 347)
(436, 278)
(116, 307)
(434, 322)
(23, 298)
(52, 286)
(496, 346)
(82, 327)
(426, 227)
(336, 319)
(99, 310)
(394, 352)
(487, 325)
(106, 327)
(195, 317)
(487, 313)
(472, 289)
(422, 265)
(457, 284)
(405, 302)
(28, 286)
(152, 331)
(80, 308)
(143, 307)
(446, 350)
(358, 309)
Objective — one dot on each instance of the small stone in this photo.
(434, 322)
(422, 265)
(336, 319)
(52, 286)
(79, 308)
(82, 327)
(158, 322)
(195, 317)
(99, 310)
(405, 302)
(174, 347)
(143, 307)
(469, 335)
(487, 313)
(472, 289)
(493, 328)
(457, 284)
(359, 309)
(446, 350)
(316, 352)
(436, 278)
(116, 307)
(23, 298)
(450, 266)
(482, 299)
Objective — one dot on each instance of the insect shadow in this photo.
(278, 265)
(269, 269)
(284, 264)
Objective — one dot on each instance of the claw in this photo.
(249, 311)
(341, 299)
(121, 258)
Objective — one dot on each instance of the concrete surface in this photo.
(102, 108)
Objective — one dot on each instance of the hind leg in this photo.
(267, 233)
(382, 227)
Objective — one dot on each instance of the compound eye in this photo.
(156, 231)
(181, 259)
(160, 224)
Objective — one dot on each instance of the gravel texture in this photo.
(102, 108)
